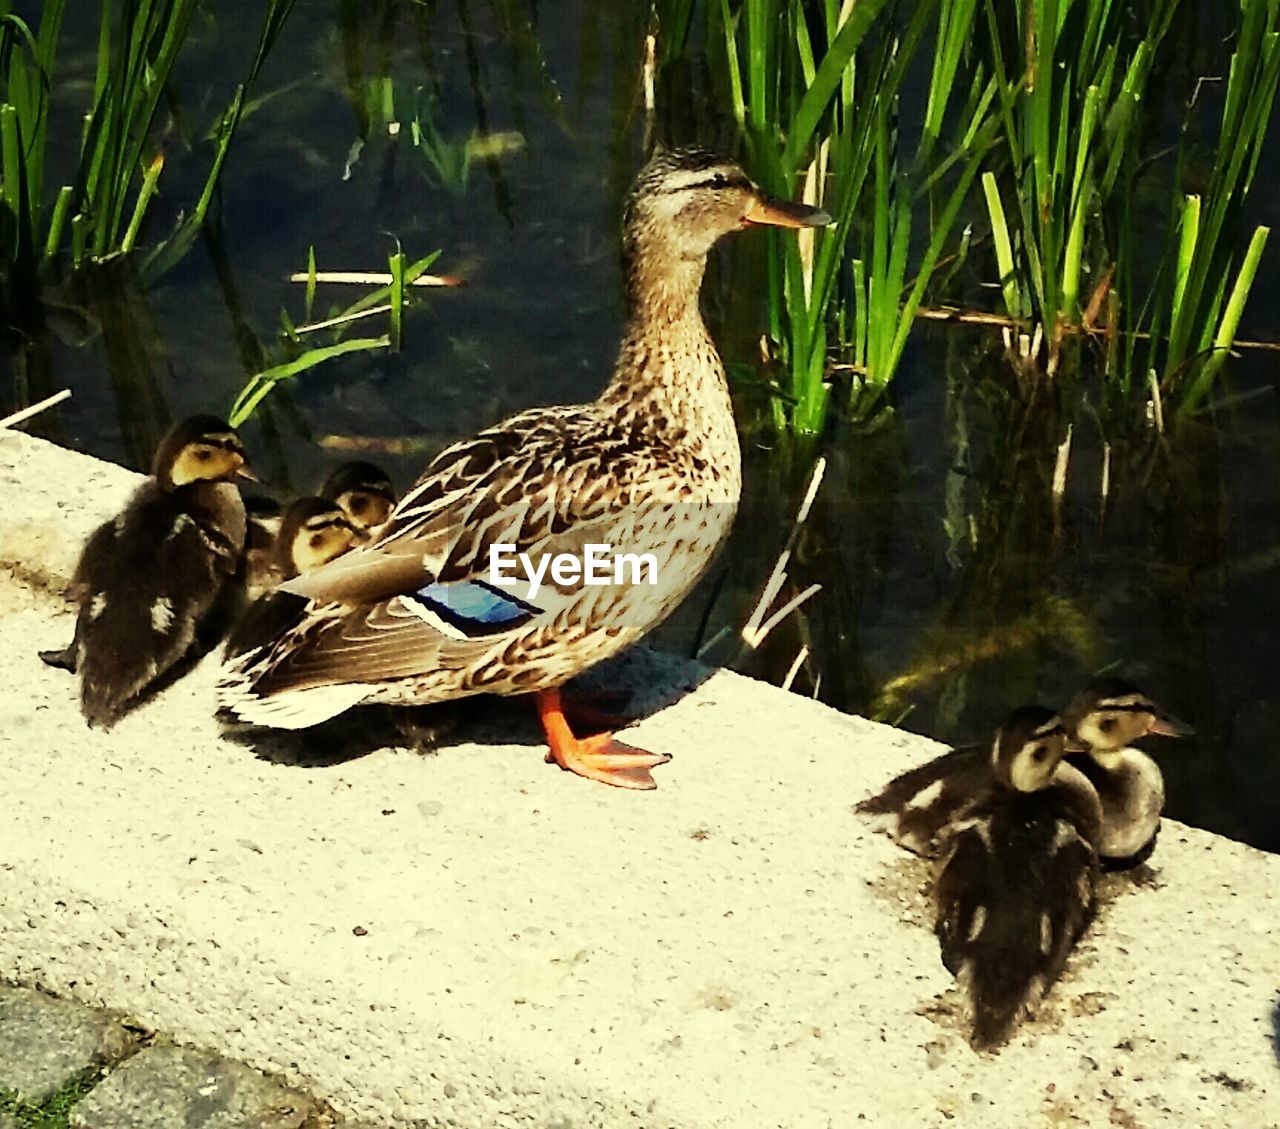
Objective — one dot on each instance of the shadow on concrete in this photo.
(1275, 1029)
(620, 692)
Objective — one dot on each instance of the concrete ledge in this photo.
(475, 939)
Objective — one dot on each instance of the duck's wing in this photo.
(421, 596)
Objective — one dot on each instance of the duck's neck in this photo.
(668, 369)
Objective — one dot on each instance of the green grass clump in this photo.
(55, 1112)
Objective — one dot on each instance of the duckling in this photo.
(264, 516)
(1016, 890)
(313, 531)
(364, 492)
(148, 581)
(1101, 721)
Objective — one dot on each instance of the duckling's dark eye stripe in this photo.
(224, 442)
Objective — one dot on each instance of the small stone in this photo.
(45, 1042)
(194, 1088)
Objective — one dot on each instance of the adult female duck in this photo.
(651, 467)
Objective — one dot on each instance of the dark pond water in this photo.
(952, 588)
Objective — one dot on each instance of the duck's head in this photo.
(1110, 714)
(201, 448)
(683, 200)
(312, 533)
(1028, 748)
(364, 492)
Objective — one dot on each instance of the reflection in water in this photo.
(953, 586)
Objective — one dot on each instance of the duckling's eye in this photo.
(359, 505)
(203, 454)
(1107, 724)
(1039, 753)
(316, 540)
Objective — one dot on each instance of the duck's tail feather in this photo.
(1014, 895)
(238, 692)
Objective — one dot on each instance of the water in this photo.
(952, 589)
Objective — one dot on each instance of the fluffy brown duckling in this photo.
(365, 493)
(1102, 721)
(148, 581)
(264, 515)
(1016, 889)
(313, 531)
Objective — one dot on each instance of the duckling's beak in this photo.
(1169, 726)
(244, 473)
(766, 209)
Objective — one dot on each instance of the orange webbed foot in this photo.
(597, 758)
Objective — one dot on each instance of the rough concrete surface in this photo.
(476, 939)
(175, 1086)
(46, 1043)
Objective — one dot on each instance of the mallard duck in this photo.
(1016, 889)
(313, 531)
(429, 611)
(1102, 721)
(364, 491)
(148, 581)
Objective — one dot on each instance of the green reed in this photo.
(101, 207)
(1053, 102)
(804, 120)
(294, 356)
(1181, 335)
(1071, 82)
(816, 96)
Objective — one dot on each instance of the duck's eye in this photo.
(1039, 753)
(359, 505)
(1107, 724)
(316, 540)
(203, 454)
(716, 181)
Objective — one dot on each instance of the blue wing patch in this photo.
(472, 607)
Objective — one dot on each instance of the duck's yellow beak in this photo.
(766, 209)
